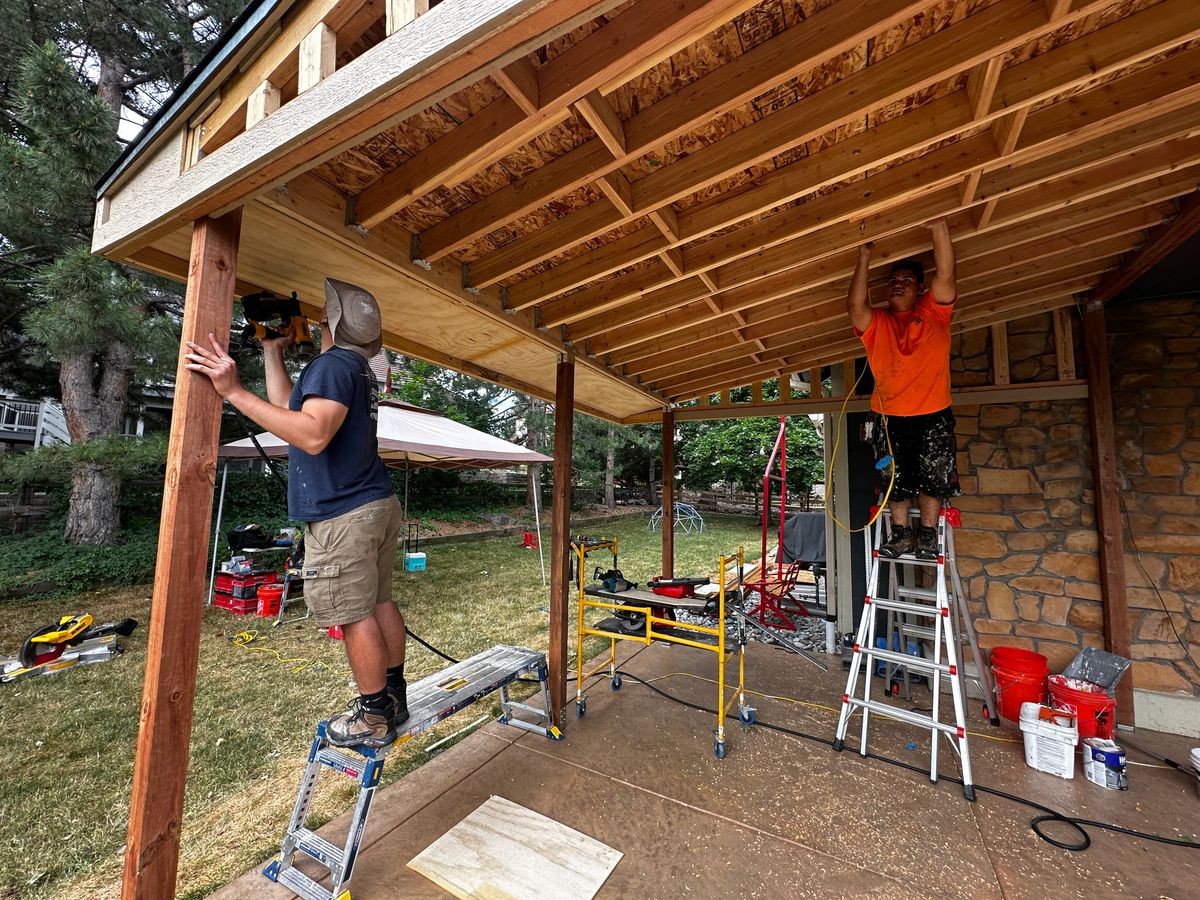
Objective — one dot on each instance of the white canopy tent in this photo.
(408, 436)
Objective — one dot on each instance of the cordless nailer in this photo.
(271, 316)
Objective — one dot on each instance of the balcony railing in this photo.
(19, 416)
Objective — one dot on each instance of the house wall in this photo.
(1028, 548)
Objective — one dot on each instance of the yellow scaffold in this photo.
(638, 616)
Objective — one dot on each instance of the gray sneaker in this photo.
(362, 727)
(902, 540)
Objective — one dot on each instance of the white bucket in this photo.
(1196, 767)
(1050, 738)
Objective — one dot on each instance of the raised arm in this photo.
(858, 303)
(942, 286)
(309, 428)
(279, 382)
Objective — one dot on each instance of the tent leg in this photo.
(537, 518)
(212, 572)
(406, 489)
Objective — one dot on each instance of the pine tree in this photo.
(70, 70)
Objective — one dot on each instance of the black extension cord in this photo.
(1047, 813)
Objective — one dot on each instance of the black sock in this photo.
(395, 678)
(376, 702)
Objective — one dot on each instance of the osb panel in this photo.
(579, 251)
(561, 44)
(445, 201)
(1081, 27)
(1114, 76)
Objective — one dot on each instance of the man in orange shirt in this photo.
(908, 349)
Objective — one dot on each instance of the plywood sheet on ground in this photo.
(503, 849)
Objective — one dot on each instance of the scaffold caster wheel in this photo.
(747, 716)
(615, 683)
(719, 749)
(580, 708)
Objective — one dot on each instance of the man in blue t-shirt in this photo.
(337, 486)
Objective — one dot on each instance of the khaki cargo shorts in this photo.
(348, 562)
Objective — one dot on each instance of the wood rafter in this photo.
(673, 189)
(572, 78)
(863, 91)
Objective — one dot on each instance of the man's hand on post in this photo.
(216, 364)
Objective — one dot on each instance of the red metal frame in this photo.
(773, 591)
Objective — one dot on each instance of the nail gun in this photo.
(271, 316)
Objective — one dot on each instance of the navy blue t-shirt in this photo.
(348, 472)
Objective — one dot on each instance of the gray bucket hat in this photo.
(354, 318)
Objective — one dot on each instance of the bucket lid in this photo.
(1196, 759)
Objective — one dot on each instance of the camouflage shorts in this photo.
(924, 451)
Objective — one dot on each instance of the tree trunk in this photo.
(110, 84)
(95, 407)
(95, 494)
(610, 461)
(650, 481)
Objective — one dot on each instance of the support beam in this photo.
(668, 493)
(172, 652)
(1064, 344)
(560, 531)
(519, 80)
(837, 498)
(261, 103)
(318, 57)
(400, 12)
(1000, 354)
(1108, 499)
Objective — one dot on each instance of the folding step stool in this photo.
(429, 701)
(949, 621)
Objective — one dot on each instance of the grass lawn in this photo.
(68, 741)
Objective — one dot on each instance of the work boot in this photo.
(399, 704)
(361, 726)
(926, 543)
(902, 540)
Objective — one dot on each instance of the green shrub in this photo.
(35, 558)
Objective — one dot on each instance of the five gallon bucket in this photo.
(269, 597)
(1020, 677)
(1093, 708)
(1196, 767)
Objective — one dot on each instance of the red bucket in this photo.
(269, 597)
(1014, 659)
(1020, 677)
(1094, 710)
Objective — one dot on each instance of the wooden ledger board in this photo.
(503, 850)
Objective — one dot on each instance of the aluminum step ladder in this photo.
(429, 701)
(938, 615)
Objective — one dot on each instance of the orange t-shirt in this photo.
(909, 355)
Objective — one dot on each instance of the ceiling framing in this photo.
(674, 190)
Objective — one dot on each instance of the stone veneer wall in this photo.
(1027, 550)
(1154, 352)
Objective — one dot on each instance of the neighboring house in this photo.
(27, 424)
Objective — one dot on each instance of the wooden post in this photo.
(668, 493)
(1108, 508)
(160, 768)
(560, 531)
(1064, 344)
(1000, 354)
